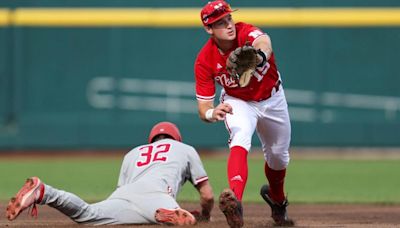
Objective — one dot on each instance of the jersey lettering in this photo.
(226, 81)
(259, 73)
(148, 155)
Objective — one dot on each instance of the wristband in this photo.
(209, 114)
(264, 57)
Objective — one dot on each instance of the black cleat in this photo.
(232, 208)
(278, 211)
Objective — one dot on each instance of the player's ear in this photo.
(208, 29)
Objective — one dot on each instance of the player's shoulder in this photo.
(247, 32)
(203, 57)
(185, 148)
(242, 26)
(208, 48)
(182, 144)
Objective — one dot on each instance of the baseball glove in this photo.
(241, 64)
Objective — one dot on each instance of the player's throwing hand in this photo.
(221, 110)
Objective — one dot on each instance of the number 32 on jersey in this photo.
(152, 153)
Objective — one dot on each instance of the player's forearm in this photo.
(206, 109)
(207, 204)
(264, 44)
(206, 199)
(206, 207)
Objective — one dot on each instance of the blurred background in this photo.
(99, 74)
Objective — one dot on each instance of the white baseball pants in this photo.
(138, 208)
(270, 118)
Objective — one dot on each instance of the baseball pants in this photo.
(134, 209)
(270, 118)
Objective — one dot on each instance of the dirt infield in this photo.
(256, 215)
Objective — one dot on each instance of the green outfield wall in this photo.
(99, 74)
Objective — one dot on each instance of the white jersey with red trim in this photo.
(167, 164)
(150, 178)
(210, 66)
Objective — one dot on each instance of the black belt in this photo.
(277, 85)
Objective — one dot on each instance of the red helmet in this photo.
(165, 128)
(214, 11)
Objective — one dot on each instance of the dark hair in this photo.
(161, 136)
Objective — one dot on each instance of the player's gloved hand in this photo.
(241, 64)
(200, 217)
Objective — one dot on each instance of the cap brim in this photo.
(221, 16)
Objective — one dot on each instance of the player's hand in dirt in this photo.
(221, 110)
(200, 217)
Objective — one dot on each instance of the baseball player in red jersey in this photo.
(151, 176)
(258, 106)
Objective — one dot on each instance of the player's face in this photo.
(224, 28)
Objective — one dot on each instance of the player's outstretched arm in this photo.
(264, 44)
(206, 201)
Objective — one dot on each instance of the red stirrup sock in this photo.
(41, 194)
(276, 179)
(237, 170)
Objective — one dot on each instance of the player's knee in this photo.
(278, 164)
(278, 158)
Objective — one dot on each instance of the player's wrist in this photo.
(263, 56)
(209, 115)
(206, 216)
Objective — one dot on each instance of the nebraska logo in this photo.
(226, 81)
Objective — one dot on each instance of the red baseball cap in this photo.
(165, 128)
(214, 11)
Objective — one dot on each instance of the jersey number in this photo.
(149, 156)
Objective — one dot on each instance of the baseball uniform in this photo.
(260, 106)
(151, 177)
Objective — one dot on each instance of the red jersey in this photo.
(210, 66)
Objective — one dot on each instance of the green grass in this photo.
(308, 181)
(92, 179)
